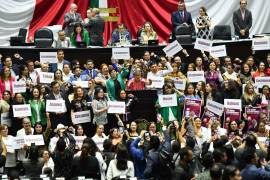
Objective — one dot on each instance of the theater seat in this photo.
(222, 32)
(183, 34)
(43, 38)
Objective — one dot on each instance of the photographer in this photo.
(63, 153)
(138, 149)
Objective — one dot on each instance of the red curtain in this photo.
(51, 12)
(133, 13)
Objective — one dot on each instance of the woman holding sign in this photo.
(167, 112)
(38, 108)
(79, 104)
(212, 75)
(6, 81)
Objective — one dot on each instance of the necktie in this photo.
(90, 74)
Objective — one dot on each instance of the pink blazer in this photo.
(3, 87)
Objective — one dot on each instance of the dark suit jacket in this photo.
(95, 28)
(53, 66)
(178, 20)
(70, 21)
(62, 118)
(239, 23)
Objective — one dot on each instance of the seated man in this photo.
(182, 18)
(121, 35)
(62, 41)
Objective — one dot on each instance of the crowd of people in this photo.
(116, 144)
(179, 144)
(90, 30)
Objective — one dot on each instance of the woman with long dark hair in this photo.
(245, 74)
(231, 173)
(120, 165)
(85, 164)
(79, 35)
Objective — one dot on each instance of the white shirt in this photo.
(232, 76)
(114, 172)
(22, 152)
(66, 77)
(99, 141)
(33, 75)
(60, 65)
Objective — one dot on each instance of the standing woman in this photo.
(120, 165)
(170, 113)
(212, 75)
(100, 107)
(79, 35)
(261, 71)
(16, 121)
(5, 105)
(249, 97)
(38, 108)
(265, 95)
(24, 76)
(245, 74)
(58, 76)
(6, 81)
(203, 23)
(78, 104)
(148, 33)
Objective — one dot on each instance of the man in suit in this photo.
(77, 76)
(71, 18)
(90, 71)
(59, 117)
(121, 35)
(60, 63)
(182, 18)
(95, 26)
(62, 41)
(242, 20)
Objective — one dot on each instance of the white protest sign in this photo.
(37, 139)
(121, 53)
(81, 117)
(48, 57)
(19, 87)
(215, 107)
(83, 84)
(195, 76)
(203, 44)
(260, 44)
(5, 119)
(218, 51)
(18, 142)
(157, 82)
(167, 100)
(21, 110)
(116, 107)
(173, 48)
(9, 142)
(56, 106)
(233, 103)
(179, 83)
(261, 81)
(46, 77)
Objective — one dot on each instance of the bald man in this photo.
(71, 18)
